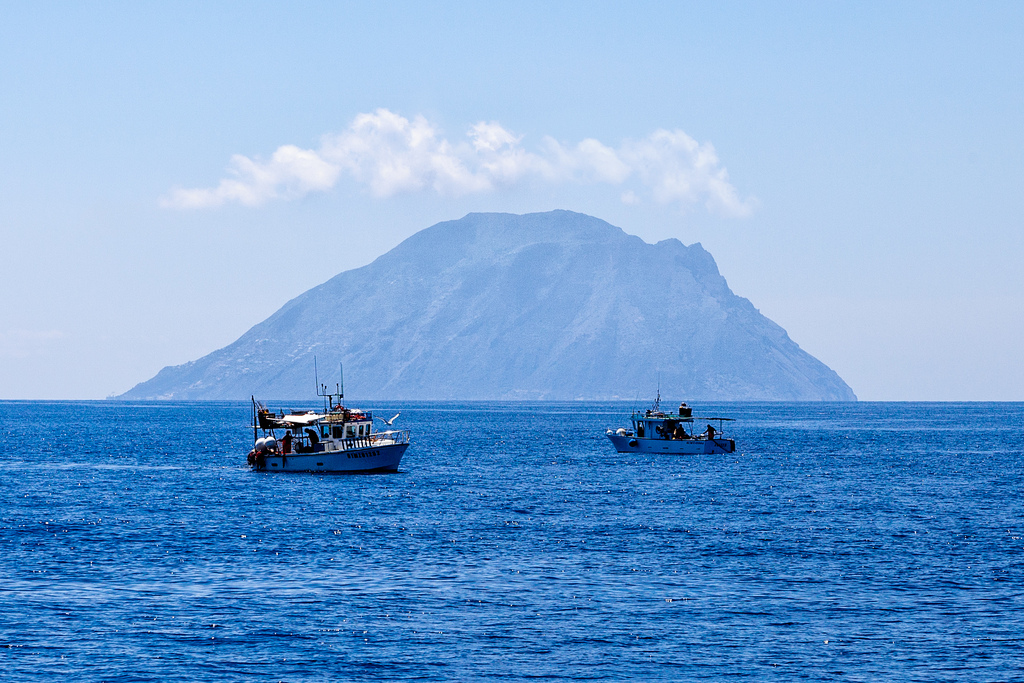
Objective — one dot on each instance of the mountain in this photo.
(554, 305)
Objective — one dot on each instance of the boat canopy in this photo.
(677, 418)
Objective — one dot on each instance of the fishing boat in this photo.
(655, 431)
(336, 439)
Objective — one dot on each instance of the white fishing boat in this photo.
(655, 431)
(336, 439)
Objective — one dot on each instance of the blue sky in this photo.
(856, 169)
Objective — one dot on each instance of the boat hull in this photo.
(632, 444)
(375, 458)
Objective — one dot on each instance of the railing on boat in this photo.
(388, 438)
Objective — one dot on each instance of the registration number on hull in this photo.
(363, 454)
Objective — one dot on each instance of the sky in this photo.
(172, 173)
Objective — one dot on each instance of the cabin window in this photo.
(360, 430)
(351, 431)
(640, 429)
(337, 432)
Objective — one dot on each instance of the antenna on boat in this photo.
(321, 389)
(341, 384)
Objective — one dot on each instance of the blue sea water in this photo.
(846, 542)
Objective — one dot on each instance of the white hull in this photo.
(373, 458)
(632, 444)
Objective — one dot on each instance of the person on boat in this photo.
(314, 440)
(711, 432)
(286, 443)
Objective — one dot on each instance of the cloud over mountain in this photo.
(389, 154)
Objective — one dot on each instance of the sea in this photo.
(840, 542)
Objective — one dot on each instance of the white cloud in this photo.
(678, 169)
(491, 137)
(390, 154)
(629, 197)
(291, 172)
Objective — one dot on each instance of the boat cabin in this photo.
(656, 424)
(311, 432)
